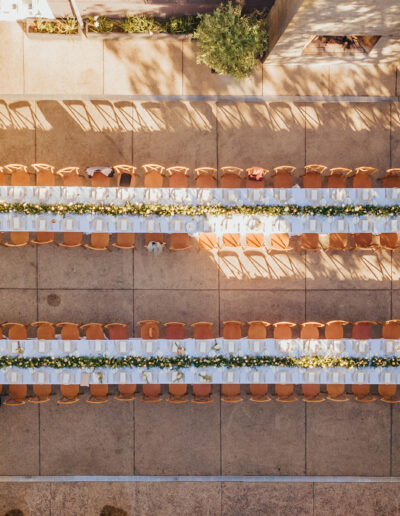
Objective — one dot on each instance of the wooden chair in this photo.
(69, 330)
(72, 240)
(99, 242)
(93, 331)
(282, 176)
(389, 241)
(334, 329)
(45, 330)
(362, 177)
(312, 393)
(177, 177)
(255, 177)
(387, 393)
(312, 177)
(98, 393)
(207, 241)
(337, 177)
(363, 241)
(255, 240)
(149, 329)
(201, 393)
(231, 393)
(280, 242)
(310, 330)
(125, 241)
(153, 176)
(17, 395)
(151, 393)
(362, 329)
(259, 392)
(338, 242)
(45, 174)
(174, 330)
(232, 329)
(179, 242)
(117, 331)
(71, 176)
(18, 239)
(41, 393)
(283, 330)
(285, 393)
(126, 175)
(257, 330)
(16, 331)
(126, 392)
(99, 180)
(231, 240)
(362, 393)
(43, 238)
(391, 329)
(3, 177)
(309, 242)
(206, 177)
(69, 394)
(202, 330)
(336, 392)
(392, 178)
(177, 393)
(154, 237)
(20, 176)
(231, 177)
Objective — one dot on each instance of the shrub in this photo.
(141, 24)
(101, 24)
(59, 26)
(229, 42)
(182, 25)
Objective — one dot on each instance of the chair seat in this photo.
(255, 240)
(231, 240)
(18, 239)
(125, 241)
(280, 242)
(363, 240)
(179, 242)
(312, 180)
(46, 237)
(72, 240)
(206, 181)
(230, 181)
(178, 180)
(309, 241)
(338, 241)
(208, 241)
(389, 241)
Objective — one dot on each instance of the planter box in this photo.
(135, 35)
(47, 35)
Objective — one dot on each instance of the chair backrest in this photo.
(16, 331)
(257, 329)
(232, 329)
(362, 329)
(45, 174)
(283, 330)
(3, 176)
(310, 330)
(337, 177)
(312, 177)
(206, 177)
(19, 174)
(125, 175)
(71, 176)
(391, 329)
(99, 180)
(45, 330)
(175, 330)
(202, 330)
(149, 329)
(282, 176)
(94, 331)
(362, 177)
(69, 330)
(334, 329)
(153, 175)
(177, 176)
(117, 331)
(231, 177)
(315, 169)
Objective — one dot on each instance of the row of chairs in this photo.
(201, 393)
(150, 329)
(206, 177)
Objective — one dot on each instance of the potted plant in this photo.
(57, 28)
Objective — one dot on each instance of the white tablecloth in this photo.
(191, 347)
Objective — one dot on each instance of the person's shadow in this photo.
(107, 510)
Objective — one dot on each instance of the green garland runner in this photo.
(164, 210)
(185, 361)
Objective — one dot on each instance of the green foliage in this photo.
(101, 24)
(229, 42)
(59, 26)
(182, 24)
(141, 24)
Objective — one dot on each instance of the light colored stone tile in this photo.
(67, 66)
(99, 132)
(351, 305)
(285, 499)
(19, 440)
(198, 79)
(11, 58)
(395, 130)
(103, 434)
(30, 498)
(187, 306)
(83, 306)
(258, 270)
(162, 423)
(18, 267)
(90, 498)
(395, 440)
(348, 135)
(262, 134)
(349, 439)
(274, 427)
(17, 132)
(175, 133)
(357, 499)
(82, 268)
(362, 79)
(360, 270)
(143, 67)
(296, 79)
(176, 270)
(18, 305)
(190, 498)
